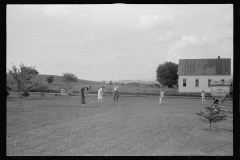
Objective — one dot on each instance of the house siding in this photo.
(203, 82)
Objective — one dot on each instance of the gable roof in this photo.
(204, 66)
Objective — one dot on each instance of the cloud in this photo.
(193, 47)
(155, 22)
(167, 37)
(190, 40)
(187, 47)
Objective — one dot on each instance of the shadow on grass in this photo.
(228, 130)
(13, 99)
(217, 130)
(88, 106)
(72, 106)
(29, 98)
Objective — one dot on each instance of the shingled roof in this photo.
(204, 66)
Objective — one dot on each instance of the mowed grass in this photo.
(133, 126)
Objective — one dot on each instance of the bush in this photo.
(8, 89)
(229, 95)
(208, 94)
(93, 92)
(25, 94)
(54, 90)
(33, 90)
(42, 89)
(75, 91)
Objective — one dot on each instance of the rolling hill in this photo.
(59, 79)
(138, 81)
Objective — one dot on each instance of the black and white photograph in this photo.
(119, 79)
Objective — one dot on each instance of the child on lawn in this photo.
(161, 97)
(203, 97)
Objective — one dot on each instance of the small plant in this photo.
(212, 115)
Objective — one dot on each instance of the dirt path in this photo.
(133, 126)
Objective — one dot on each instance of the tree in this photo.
(167, 74)
(50, 79)
(69, 78)
(110, 83)
(30, 70)
(42, 88)
(23, 78)
(212, 115)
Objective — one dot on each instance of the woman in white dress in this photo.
(100, 94)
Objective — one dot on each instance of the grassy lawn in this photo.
(134, 126)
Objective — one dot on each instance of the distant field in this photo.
(134, 126)
(58, 83)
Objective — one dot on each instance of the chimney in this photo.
(218, 57)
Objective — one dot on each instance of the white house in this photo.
(196, 75)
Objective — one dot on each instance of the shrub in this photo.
(50, 79)
(8, 89)
(212, 115)
(33, 90)
(53, 91)
(42, 89)
(25, 94)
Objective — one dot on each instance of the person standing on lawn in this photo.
(115, 92)
(161, 96)
(203, 97)
(100, 94)
(83, 92)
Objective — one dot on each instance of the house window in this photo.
(222, 80)
(197, 83)
(209, 83)
(184, 82)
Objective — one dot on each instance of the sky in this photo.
(116, 41)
